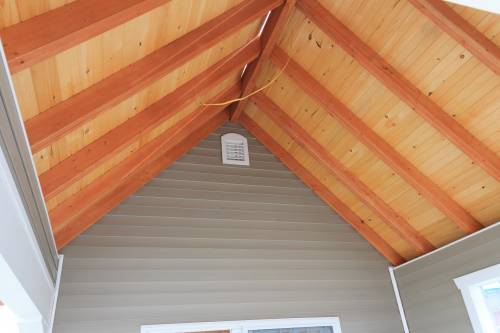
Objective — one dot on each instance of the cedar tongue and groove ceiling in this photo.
(388, 110)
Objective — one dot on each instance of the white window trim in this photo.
(245, 325)
(469, 286)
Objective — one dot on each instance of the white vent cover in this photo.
(234, 149)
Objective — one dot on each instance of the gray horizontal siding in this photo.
(430, 298)
(207, 242)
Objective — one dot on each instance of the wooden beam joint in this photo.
(273, 29)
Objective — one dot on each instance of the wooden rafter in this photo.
(45, 35)
(323, 192)
(462, 31)
(68, 115)
(272, 30)
(400, 86)
(376, 143)
(84, 208)
(75, 167)
(320, 153)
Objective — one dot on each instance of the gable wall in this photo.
(206, 242)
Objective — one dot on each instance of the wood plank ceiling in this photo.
(388, 110)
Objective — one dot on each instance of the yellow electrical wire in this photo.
(293, 42)
(252, 93)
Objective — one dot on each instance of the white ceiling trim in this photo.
(492, 6)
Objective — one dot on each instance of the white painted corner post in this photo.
(398, 300)
(30, 267)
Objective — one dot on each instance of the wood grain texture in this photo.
(275, 25)
(15, 11)
(74, 168)
(462, 31)
(464, 88)
(323, 192)
(85, 208)
(399, 85)
(64, 117)
(45, 35)
(60, 77)
(378, 145)
(393, 219)
(366, 124)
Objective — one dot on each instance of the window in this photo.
(481, 293)
(291, 325)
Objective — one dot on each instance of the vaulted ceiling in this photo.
(388, 110)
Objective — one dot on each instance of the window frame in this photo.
(244, 326)
(470, 287)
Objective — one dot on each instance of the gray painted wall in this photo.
(206, 242)
(431, 300)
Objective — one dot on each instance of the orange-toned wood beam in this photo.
(70, 209)
(45, 35)
(86, 207)
(377, 144)
(323, 192)
(320, 153)
(477, 151)
(272, 30)
(75, 167)
(68, 115)
(462, 31)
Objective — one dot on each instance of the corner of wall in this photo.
(398, 300)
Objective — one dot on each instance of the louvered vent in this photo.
(234, 149)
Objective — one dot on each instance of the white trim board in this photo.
(398, 300)
(244, 326)
(481, 276)
(56, 295)
(26, 285)
(20, 167)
